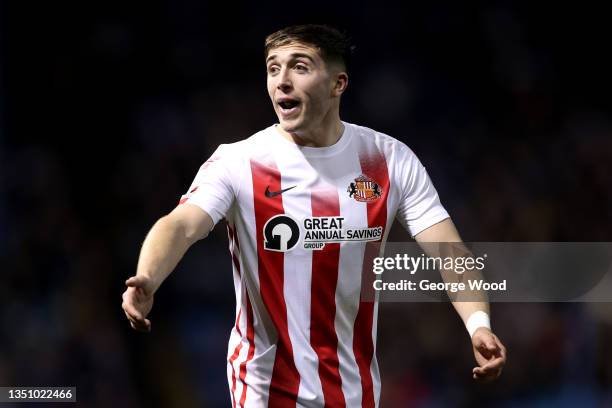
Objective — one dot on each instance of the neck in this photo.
(323, 134)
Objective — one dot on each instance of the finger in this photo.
(145, 326)
(484, 378)
(487, 377)
(138, 327)
(136, 324)
(490, 367)
(139, 324)
(478, 371)
(132, 281)
(131, 310)
(491, 344)
(484, 351)
(127, 316)
(487, 343)
(493, 364)
(132, 318)
(479, 375)
(502, 348)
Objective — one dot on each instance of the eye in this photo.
(301, 67)
(272, 69)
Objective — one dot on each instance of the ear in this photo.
(340, 83)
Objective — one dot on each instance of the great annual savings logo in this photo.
(282, 233)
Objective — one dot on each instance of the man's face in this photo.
(300, 85)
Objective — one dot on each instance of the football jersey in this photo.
(300, 221)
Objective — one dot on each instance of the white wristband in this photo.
(476, 320)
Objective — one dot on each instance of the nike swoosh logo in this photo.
(271, 194)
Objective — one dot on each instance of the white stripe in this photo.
(349, 281)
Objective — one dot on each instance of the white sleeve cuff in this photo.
(477, 320)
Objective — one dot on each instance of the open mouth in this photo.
(288, 106)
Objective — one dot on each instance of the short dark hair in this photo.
(333, 44)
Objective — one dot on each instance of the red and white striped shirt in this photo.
(300, 222)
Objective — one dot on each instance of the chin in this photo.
(290, 126)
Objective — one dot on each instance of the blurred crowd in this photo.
(107, 117)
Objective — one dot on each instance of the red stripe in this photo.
(251, 352)
(234, 357)
(233, 248)
(182, 200)
(373, 165)
(323, 337)
(250, 333)
(236, 353)
(285, 380)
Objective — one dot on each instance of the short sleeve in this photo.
(419, 207)
(214, 186)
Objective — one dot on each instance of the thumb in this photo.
(136, 282)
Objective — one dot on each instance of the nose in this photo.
(284, 81)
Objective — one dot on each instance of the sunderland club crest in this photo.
(364, 189)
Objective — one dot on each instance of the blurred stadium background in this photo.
(107, 109)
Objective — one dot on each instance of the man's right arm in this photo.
(163, 248)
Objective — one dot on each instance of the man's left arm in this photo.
(489, 351)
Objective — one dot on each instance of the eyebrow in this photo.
(293, 56)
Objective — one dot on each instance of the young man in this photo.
(303, 336)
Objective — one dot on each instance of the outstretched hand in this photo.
(490, 355)
(138, 301)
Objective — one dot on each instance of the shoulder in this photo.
(242, 148)
(386, 144)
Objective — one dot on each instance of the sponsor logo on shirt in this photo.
(364, 189)
(282, 233)
(319, 231)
